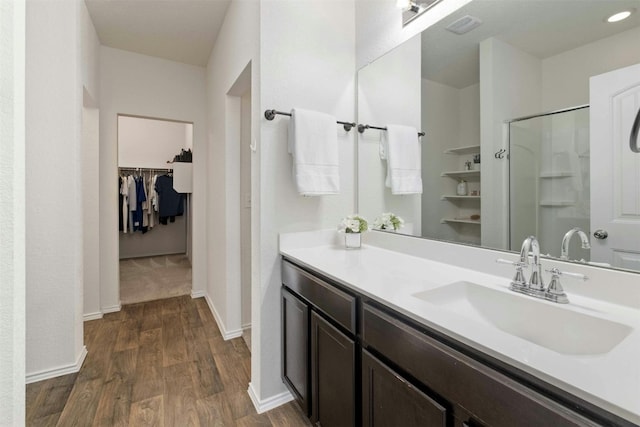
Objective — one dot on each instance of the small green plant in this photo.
(388, 221)
(353, 224)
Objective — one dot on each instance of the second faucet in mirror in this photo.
(566, 240)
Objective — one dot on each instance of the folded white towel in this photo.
(313, 142)
(401, 148)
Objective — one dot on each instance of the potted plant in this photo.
(476, 162)
(353, 226)
(388, 221)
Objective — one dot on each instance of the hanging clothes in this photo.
(171, 203)
(124, 203)
(141, 197)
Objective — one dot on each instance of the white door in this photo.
(615, 169)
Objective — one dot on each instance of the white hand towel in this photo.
(401, 147)
(313, 142)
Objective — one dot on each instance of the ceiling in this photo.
(542, 28)
(178, 30)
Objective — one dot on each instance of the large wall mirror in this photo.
(527, 107)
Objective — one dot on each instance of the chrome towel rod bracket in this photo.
(271, 114)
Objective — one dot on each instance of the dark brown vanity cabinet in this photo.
(476, 394)
(319, 347)
(353, 361)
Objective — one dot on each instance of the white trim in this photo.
(246, 326)
(269, 403)
(112, 309)
(197, 294)
(226, 335)
(92, 316)
(56, 372)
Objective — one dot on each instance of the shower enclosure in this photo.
(549, 179)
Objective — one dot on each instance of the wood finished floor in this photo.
(158, 363)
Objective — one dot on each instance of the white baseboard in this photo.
(247, 326)
(269, 403)
(227, 335)
(57, 372)
(197, 294)
(112, 309)
(92, 316)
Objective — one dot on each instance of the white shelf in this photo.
(462, 174)
(556, 203)
(460, 221)
(464, 150)
(546, 175)
(456, 197)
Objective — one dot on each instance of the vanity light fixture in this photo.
(412, 9)
(617, 17)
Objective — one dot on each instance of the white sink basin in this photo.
(554, 327)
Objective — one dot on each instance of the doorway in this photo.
(154, 183)
(239, 134)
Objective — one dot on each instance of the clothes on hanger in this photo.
(146, 199)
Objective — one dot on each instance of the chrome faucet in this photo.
(535, 287)
(531, 244)
(566, 240)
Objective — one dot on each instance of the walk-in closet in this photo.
(154, 187)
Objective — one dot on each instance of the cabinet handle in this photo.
(633, 138)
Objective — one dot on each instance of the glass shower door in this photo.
(549, 179)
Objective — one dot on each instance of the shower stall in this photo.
(549, 179)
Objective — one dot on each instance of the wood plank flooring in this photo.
(158, 363)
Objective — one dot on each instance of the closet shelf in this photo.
(564, 174)
(460, 221)
(464, 150)
(462, 174)
(556, 203)
(456, 197)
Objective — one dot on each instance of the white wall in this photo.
(90, 147)
(141, 85)
(388, 93)
(313, 69)
(565, 77)
(12, 213)
(148, 143)
(504, 70)
(54, 244)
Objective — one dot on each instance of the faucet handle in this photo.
(518, 279)
(556, 272)
(555, 292)
(516, 264)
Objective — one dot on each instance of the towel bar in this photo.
(362, 128)
(271, 114)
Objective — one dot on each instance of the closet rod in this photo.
(143, 169)
(362, 128)
(271, 114)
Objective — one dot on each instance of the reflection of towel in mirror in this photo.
(313, 142)
(401, 148)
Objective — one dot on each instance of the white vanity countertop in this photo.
(610, 380)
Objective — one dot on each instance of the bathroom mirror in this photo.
(510, 95)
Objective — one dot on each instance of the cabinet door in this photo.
(333, 375)
(389, 400)
(295, 347)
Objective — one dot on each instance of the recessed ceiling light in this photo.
(619, 16)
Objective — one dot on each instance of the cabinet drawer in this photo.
(491, 397)
(338, 305)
